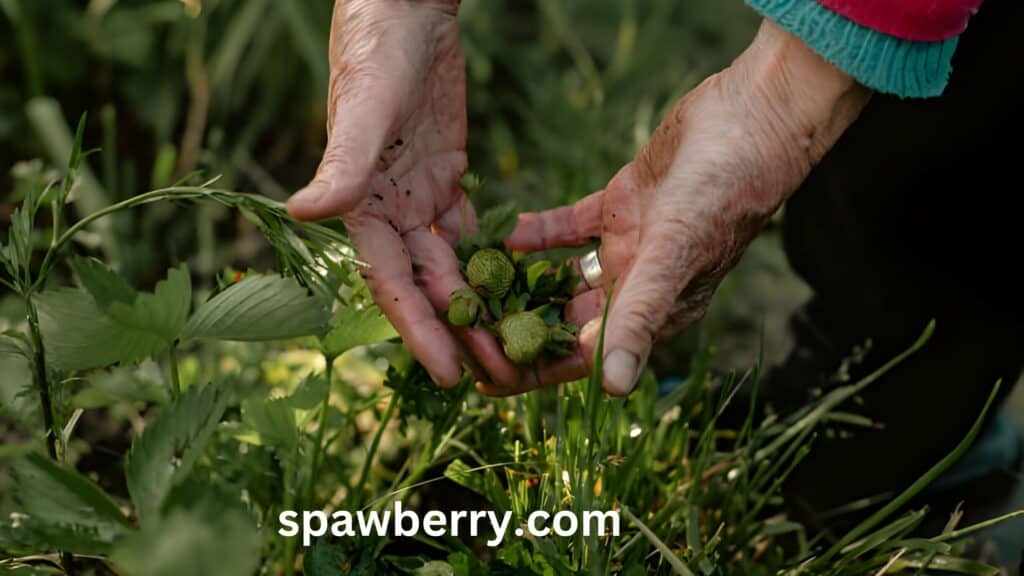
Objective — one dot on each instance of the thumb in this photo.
(641, 306)
(363, 119)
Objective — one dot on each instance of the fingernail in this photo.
(621, 370)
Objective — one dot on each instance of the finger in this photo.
(643, 300)
(475, 369)
(546, 372)
(585, 307)
(437, 273)
(457, 220)
(354, 144)
(563, 227)
(390, 279)
(615, 255)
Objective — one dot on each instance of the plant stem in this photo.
(289, 504)
(46, 404)
(175, 378)
(318, 445)
(42, 380)
(371, 454)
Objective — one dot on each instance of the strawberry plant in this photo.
(284, 390)
(520, 300)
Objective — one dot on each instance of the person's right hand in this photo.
(395, 152)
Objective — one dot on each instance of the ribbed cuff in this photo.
(879, 61)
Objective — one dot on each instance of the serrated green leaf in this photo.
(61, 503)
(493, 226)
(17, 381)
(164, 454)
(79, 335)
(105, 285)
(260, 308)
(483, 482)
(15, 343)
(351, 328)
(122, 385)
(310, 393)
(209, 538)
(163, 312)
(497, 223)
(324, 559)
(273, 420)
(465, 565)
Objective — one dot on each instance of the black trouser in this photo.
(916, 214)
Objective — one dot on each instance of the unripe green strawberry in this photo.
(464, 307)
(491, 271)
(523, 336)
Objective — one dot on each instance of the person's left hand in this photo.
(676, 219)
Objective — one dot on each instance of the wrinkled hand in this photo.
(676, 219)
(395, 153)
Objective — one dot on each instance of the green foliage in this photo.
(163, 456)
(352, 327)
(208, 537)
(142, 383)
(493, 227)
(273, 421)
(259, 308)
(93, 327)
(62, 508)
(485, 484)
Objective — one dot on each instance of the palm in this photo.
(396, 151)
(415, 184)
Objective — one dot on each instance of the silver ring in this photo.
(590, 269)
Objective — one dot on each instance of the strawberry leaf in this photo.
(164, 454)
(64, 506)
(260, 308)
(79, 334)
(352, 327)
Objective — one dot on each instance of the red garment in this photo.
(917, 20)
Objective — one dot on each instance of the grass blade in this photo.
(914, 488)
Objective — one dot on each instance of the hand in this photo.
(396, 149)
(395, 153)
(677, 218)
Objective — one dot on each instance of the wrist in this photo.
(799, 97)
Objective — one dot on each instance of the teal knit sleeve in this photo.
(879, 61)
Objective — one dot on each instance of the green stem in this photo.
(183, 192)
(46, 404)
(175, 377)
(318, 445)
(374, 444)
(290, 544)
(42, 380)
(169, 193)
